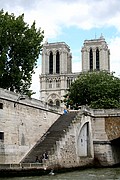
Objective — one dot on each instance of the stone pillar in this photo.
(65, 62)
(102, 60)
(69, 63)
(43, 63)
(85, 59)
(47, 63)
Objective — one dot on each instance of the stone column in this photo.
(63, 61)
(47, 63)
(85, 59)
(43, 63)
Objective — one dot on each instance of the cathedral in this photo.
(56, 76)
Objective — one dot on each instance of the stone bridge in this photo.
(85, 138)
(84, 141)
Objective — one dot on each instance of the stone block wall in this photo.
(103, 154)
(112, 127)
(22, 125)
(106, 128)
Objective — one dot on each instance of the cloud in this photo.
(114, 46)
(52, 14)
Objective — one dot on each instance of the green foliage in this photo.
(95, 89)
(20, 47)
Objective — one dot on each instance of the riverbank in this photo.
(40, 170)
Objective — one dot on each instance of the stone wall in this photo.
(69, 151)
(22, 123)
(103, 154)
(112, 127)
(105, 128)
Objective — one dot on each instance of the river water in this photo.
(87, 174)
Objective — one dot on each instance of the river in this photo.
(87, 174)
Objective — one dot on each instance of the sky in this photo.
(72, 22)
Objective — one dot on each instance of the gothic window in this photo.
(97, 59)
(91, 59)
(57, 103)
(50, 103)
(57, 62)
(51, 63)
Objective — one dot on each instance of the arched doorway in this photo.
(83, 141)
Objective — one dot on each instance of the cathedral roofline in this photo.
(56, 43)
(101, 38)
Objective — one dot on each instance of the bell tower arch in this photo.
(95, 55)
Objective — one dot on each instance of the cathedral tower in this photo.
(56, 75)
(95, 55)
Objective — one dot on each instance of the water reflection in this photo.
(88, 174)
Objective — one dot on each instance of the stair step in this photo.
(48, 141)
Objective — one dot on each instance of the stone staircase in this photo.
(48, 141)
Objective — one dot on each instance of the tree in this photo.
(95, 89)
(20, 46)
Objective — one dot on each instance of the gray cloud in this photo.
(52, 14)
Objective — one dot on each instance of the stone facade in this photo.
(57, 76)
